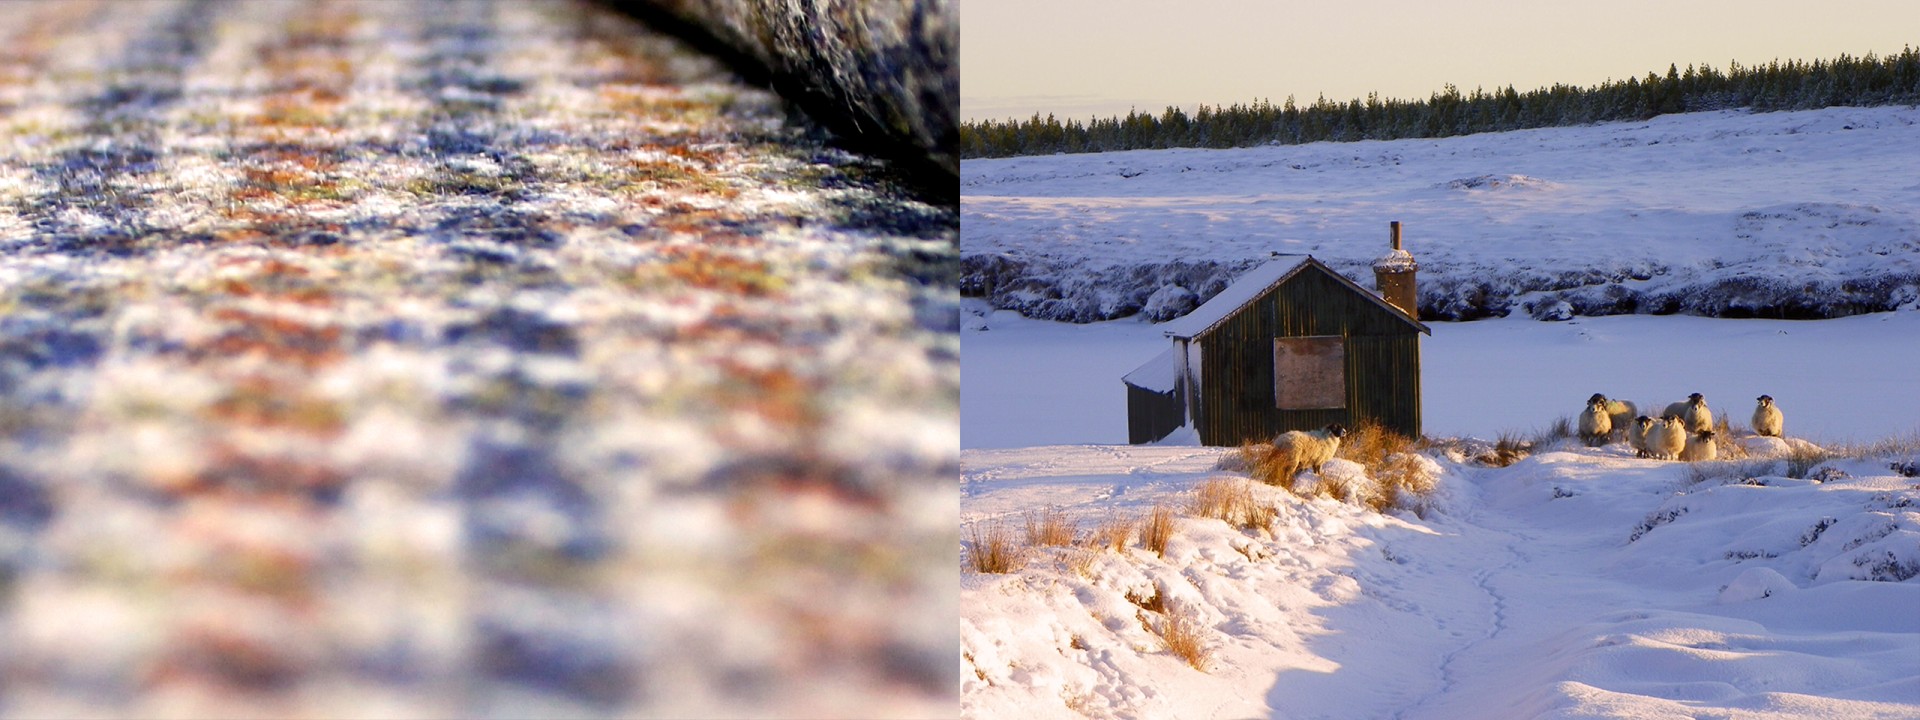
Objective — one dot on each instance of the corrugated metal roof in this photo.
(1158, 374)
(1243, 290)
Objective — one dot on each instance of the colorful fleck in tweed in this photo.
(461, 358)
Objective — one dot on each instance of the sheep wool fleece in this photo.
(456, 358)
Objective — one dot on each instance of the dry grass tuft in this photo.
(1898, 446)
(1150, 603)
(1394, 473)
(1561, 429)
(1507, 450)
(993, 550)
(1049, 528)
(1156, 529)
(1390, 458)
(1402, 477)
(1231, 500)
(1113, 532)
(1344, 487)
(1080, 703)
(1802, 459)
(1185, 637)
(1265, 463)
(1739, 470)
(1371, 445)
(1259, 516)
(1080, 561)
(1724, 444)
(1219, 498)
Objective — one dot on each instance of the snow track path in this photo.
(1449, 674)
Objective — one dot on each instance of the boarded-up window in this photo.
(1309, 373)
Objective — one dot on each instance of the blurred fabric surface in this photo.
(457, 358)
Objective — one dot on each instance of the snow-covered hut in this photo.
(1290, 345)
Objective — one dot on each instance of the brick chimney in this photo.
(1394, 272)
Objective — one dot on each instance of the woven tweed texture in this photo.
(456, 359)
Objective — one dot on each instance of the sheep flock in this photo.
(1684, 430)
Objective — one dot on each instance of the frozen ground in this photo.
(1031, 382)
(1803, 214)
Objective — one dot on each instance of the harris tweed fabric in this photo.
(456, 358)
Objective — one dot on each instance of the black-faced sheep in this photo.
(1595, 424)
(1666, 438)
(1296, 450)
(1637, 434)
(1620, 412)
(1694, 411)
(1767, 419)
(1700, 446)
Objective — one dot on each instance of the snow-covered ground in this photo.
(1521, 593)
(1576, 583)
(1802, 214)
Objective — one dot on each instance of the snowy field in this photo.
(1575, 584)
(1578, 583)
(1802, 214)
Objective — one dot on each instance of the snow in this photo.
(1576, 583)
(1243, 290)
(1396, 261)
(1801, 214)
(1159, 374)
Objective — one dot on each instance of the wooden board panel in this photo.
(1310, 373)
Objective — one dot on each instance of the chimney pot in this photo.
(1394, 274)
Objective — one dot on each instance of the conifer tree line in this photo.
(1789, 85)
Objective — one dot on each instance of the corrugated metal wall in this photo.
(1151, 415)
(1383, 363)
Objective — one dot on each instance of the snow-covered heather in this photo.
(1577, 583)
(1033, 382)
(1803, 214)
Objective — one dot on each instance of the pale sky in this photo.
(1080, 58)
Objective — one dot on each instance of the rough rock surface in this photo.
(456, 359)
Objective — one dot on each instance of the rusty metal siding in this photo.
(1237, 374)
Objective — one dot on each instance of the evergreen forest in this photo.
(1777, 85)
